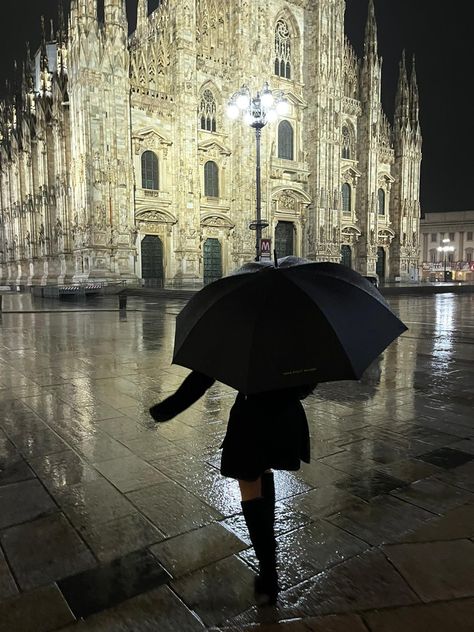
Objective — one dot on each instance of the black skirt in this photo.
(268, 430)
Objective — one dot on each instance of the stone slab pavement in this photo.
(111, 523)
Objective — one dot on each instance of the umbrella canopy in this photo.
(284, 327)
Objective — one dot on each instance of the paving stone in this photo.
(45, 550)
(93, 503)
(321, 502)
(15, 471)
(40, 442)
(107, 585)
(24, 501)
(218, 591)
(172, 509)
(196, 549)
(437, 617)
(102, 449)
(123, 535)
(436, 571)
(409, 470)
(350, 463)
(336, 623)
(385, 519)
(60, 471)
(130, 473)
(367, 581)
(462, 476)
(316, 474)
(42, 610)
(305, 552)
(434, 495)
(7, 583)
(456, 524)
(447, 458)
(370, 484)
(466, 445)
(158, 610)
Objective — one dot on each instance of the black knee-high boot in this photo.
(268, 492)
(259, 520)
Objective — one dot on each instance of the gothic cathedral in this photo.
(118, 163)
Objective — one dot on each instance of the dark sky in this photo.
(437, 33)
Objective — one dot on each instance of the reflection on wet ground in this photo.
(129, 525)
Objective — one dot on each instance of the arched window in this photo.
(207, 111)
(282, 50)
(346, 198)
(150, 179)
(285, 141)
(211, 179)
(346, 142)
(381, 199)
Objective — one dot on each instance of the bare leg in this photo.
(251, 489)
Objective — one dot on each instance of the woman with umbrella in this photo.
(228, 330)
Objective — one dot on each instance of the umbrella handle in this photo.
(275, 258)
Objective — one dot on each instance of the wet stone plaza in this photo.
(109, 522)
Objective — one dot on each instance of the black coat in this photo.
(265, 430)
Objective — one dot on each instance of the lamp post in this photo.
(445, 249)
(258, 110)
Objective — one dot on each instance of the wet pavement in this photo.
(109, 522)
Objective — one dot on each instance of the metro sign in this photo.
(266, 248)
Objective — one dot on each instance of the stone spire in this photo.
(402, 99)
(370, 41)
(115, 17)
(142, 15)
(414, 99)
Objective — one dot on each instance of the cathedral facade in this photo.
(118, 163)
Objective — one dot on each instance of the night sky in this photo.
(438, 35)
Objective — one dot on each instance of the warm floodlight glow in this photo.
(272, 116)
(233, 111)
(242, 101)
(282, 107)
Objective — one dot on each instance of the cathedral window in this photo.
(346, 142)
(346, 198)
(150, 178)
(381, 201)
(282, 50)
(207, 111)
(211, 179)
(285, 141)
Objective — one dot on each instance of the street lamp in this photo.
(446, 248)
(257, 111)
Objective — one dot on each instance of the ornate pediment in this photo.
(155, 216)
(216, 221)
(150, 138)
(351, 175)
(284, 192)
(214, 147)
(386, 179)
(385, 236)
(351, 230)
(295, 99)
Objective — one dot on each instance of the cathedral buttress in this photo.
(405, 203)
(323, 59)
(102, 174)
(368, 147)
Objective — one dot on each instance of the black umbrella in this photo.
(283, 327)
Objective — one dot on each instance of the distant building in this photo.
(458, 228)
(117, 161)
